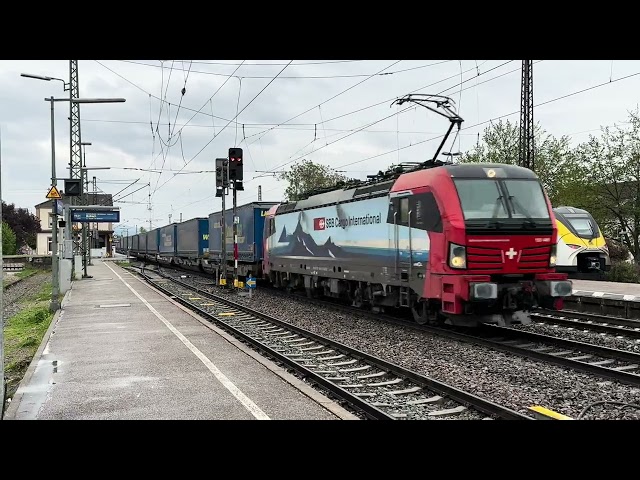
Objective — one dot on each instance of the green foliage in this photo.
(617, 251)
(8, 240)
(25, 225)
(611, 167)
(142, 230)
(554, 162)
(23, 333)
(624, 272)
(306, 176)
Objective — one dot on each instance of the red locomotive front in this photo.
(492, 259)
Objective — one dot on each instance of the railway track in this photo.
(589, 321)
(374, 387)
(610, 363)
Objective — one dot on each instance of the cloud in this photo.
(132, 135)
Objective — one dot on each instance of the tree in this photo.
(611, 167)
(8, 240)
(25, 225)
(306, 176)
(554, 164)
(143, 230)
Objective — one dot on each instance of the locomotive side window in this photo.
(404, 211)
(425, 214)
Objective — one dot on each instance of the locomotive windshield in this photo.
(496, 199)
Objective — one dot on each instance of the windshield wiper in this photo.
(529, 221)
(499, 201)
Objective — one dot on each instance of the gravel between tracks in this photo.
(503, 378)
(14, 293)
(606, 340)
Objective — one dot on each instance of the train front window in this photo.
(481, 198)
(501, 198)
(527, 199)
(582, 226)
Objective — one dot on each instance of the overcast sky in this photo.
(123, 135)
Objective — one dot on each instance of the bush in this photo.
(617, 250)
(8, 240)
(622, 271)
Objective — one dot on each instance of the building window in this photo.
(50, 221)
(49, 241)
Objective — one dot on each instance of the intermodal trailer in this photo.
(152, 244)
(249, 231)
(167, 245)
(134, 246)
(192, 242)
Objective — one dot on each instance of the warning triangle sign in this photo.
(54, 193)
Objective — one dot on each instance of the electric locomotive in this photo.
(460, 244)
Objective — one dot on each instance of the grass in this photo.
(123, 263)
(23, 334)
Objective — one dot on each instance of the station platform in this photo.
(629, 292)
(119, 349)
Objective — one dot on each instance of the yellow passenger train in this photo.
(582, 250)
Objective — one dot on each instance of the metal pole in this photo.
(223, 260)
(83, 173)
(259, 193)
(55, 289)
(2, 385)
(180, 218)
(235, 237)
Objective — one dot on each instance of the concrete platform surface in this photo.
(617, 291)
(119, 349)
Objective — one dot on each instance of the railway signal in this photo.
(236, 168)
(222, 176)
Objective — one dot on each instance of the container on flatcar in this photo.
(193, 238)
(167, 243)
(250, 228)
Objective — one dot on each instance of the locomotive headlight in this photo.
(457, 256)
(552, 258)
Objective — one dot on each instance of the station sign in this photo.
(95, 216)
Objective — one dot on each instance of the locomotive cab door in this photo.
(401, 235)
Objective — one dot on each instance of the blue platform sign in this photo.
(251, 282)
(58, 207)
(95, 216)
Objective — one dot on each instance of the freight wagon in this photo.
(250, 245)
(192, 243)
(134, 246)
(152, 244)
(167, 244)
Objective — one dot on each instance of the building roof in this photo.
(94, 199)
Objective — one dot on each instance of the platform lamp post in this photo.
(85, 201)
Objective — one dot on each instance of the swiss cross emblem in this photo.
(319, 223)
(511, 253)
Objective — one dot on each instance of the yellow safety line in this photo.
(548, 414)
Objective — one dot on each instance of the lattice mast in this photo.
(526, 146)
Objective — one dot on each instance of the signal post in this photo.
(222, 184)
(229, 174)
